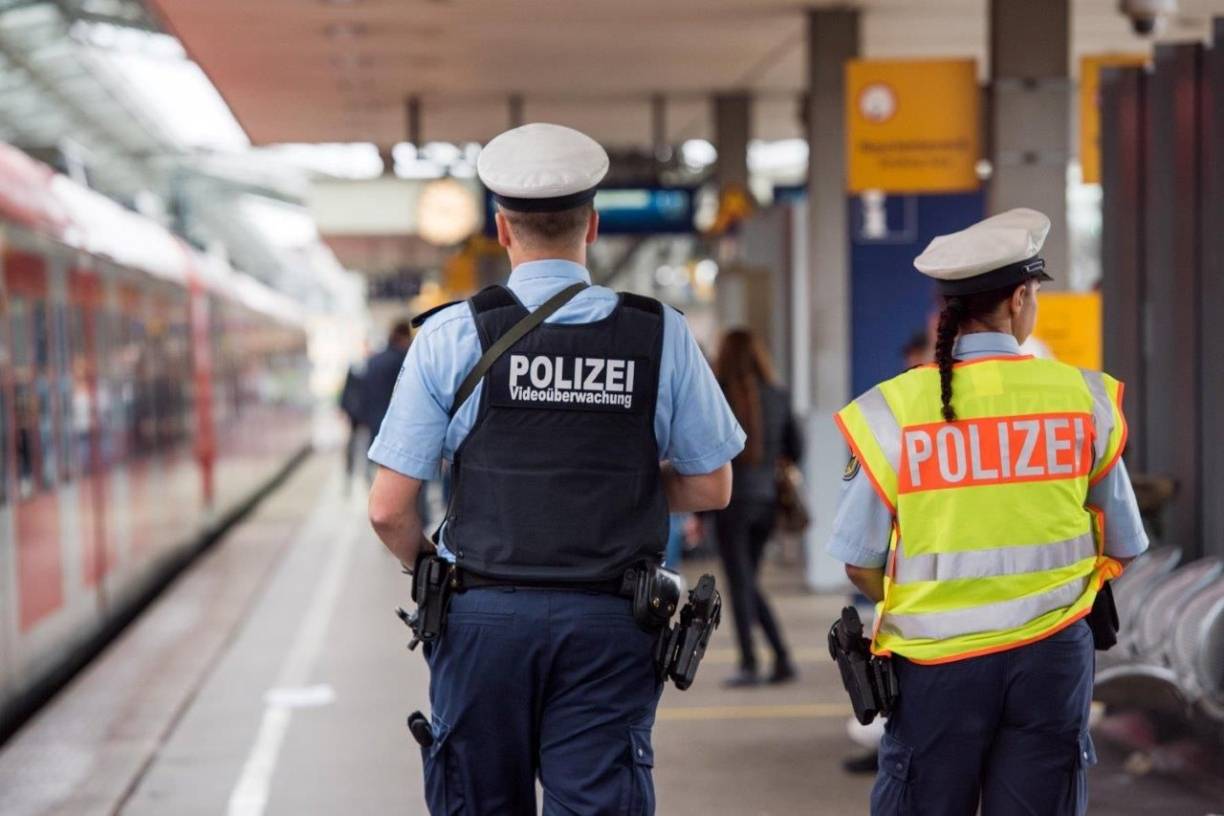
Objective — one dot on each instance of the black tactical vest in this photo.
(558, 479)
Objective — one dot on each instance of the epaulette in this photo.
(420, 319)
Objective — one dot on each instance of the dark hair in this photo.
(563, 226)
(401, 332)
(957, 311)
(742, 366)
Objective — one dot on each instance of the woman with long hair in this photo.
(985, 506)
(763, 409)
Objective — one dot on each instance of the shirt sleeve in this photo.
(698, 432)
(1114, 496)
(862, 528)
(414, 428)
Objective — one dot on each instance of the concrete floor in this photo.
(273, 679)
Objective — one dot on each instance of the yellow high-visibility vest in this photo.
(993, 545)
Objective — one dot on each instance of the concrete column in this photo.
(732, 130)
(736, 281)
(833, 38)
(1030, 118)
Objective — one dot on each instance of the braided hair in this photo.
(959, 311)
(954, 312)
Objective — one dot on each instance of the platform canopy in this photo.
(341, 70)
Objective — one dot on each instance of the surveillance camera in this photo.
(1147, 17)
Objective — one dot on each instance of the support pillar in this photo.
(732, 130)
(1173, 287)
(1123, 152)
(1211, 264)
(824, 337)
(743, 289)
(1030, 118)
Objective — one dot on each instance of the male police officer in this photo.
(559, 488)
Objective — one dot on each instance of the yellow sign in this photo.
(1090, 108)
(912, 126)
(1069, 323)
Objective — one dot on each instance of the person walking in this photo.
(567, 451)
(762, 407)
(985, 505)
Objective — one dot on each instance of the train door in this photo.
(85, 319)
(39, 567)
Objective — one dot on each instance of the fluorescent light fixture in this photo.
(352, 160)
(787, 157)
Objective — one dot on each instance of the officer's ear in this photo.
(592, 226)
(1016, 303)
(503, 229)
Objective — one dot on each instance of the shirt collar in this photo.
(980, 344)
(553, 268)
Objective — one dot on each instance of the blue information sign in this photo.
(634, 210)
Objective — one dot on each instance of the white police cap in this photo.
(1004, 250)
(542, 168)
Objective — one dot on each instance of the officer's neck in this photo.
(521, 255)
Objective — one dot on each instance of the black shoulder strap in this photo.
(492, 297)
(420, 319)
(503, 343)
(641, 303)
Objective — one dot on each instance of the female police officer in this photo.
(985, 505)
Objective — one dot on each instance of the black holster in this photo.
(680, 648)
(1103, 619)
(433, 581)
(869, 680)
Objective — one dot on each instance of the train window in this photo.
(42, 334)
(45, 414)
(19, 326)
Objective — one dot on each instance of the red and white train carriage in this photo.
(145, 392)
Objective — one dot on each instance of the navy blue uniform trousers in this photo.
(1008, 731)
(554, 684)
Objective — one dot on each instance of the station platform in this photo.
(272, 678)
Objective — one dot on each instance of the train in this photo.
(147, 392)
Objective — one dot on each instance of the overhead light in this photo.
(698, 153)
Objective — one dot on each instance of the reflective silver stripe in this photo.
(996, 617)
(988, 563)
(883, 424)
(1102, 413)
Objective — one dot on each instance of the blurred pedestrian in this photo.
(382, 372)
(350, 405)
(744, 527)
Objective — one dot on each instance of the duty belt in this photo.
(622, 587)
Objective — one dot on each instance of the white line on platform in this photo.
(250, 794)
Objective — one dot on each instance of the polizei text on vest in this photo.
(572, 380)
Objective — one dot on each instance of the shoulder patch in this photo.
(852, 468)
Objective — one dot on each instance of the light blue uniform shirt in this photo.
(694, 426)
(863, 524)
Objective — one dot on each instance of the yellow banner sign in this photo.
(1069, 324)
(1090, 108)
(912, 126)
